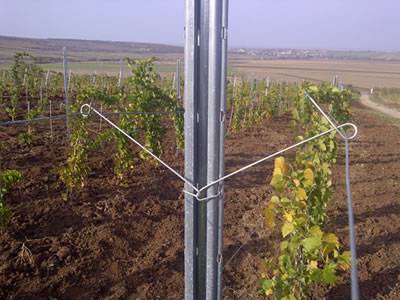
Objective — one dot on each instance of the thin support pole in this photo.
(101, 119)
(202, 66)
(65, 64)
(120, 73)
(47, 78)
(191, 205)
(51, 120)
(352, 234)
(69, 80)
(224, 71)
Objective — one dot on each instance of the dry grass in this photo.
(24, 257)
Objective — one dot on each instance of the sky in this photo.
(322, 24)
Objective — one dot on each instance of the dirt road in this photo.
(380, 108)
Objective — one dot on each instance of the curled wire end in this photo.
(85, 110)
(355, 131)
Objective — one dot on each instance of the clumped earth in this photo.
(125, 241)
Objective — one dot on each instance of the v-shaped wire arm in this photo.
(87, 108)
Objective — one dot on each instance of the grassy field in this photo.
(361, 74)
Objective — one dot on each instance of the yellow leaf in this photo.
(274, 199)
(288, 217)
(277, 171)
(281, 165)
(315, 231)
(309, 177)
(331, 239)
(345, 260)
(269, 215)
(301, 194)
(296, 182)
(331, 243)
(313, 265)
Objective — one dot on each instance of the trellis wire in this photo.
(62, 116)
(198, 191)
(89, 109)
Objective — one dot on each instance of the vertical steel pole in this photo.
(120, 73)
(65, 64)
(224, 71)
(191, 139)
(213, 149)
(202, 110)
(203, 122)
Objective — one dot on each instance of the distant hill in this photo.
(50, 50)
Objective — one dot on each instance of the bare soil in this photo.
(114, 241)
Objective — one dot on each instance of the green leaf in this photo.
(344, 260)
(330, 238)
(266, 284)
(322, 145)
(329, 274)
(284, 245)
(277, 182)
(309, 177)
(312, 243)
(315, 231)
(287, 228)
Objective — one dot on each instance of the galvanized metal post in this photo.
(202, 94)
(224, 71)
(65, 64)
(203, 118)
(191, 140)
(213, 149)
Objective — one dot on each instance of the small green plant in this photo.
(8, 179)
(76, 170)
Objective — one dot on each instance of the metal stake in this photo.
(213, 151)
(65, 64)
(120, 73)
(203, 118)
(51, 120)
(191, 140)
(224, 71)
